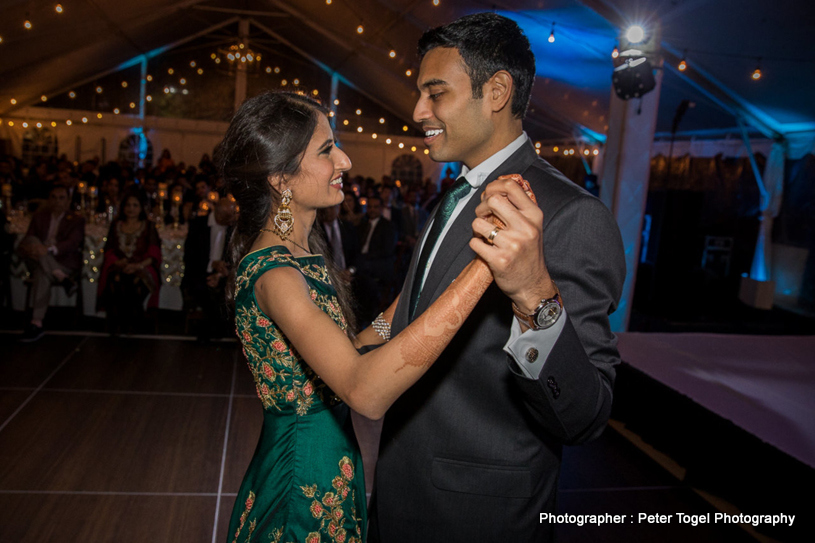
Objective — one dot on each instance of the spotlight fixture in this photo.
(634, 76)
(635, 34)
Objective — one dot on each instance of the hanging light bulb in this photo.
(436, 2)
(327, 2)
(682, 65)
(72, 94)
(13, 101)
(149, 77)
(392, 53)
(382, 120)
(124, 84)
(756, 73)
(359, 129)
(116, 111)
(98, 90)
(358, 112)
(552, 34)
(360, 29)
(374, 136)
(58, 8)
(408, 73)
(44, 98)
(615, 52)
(27, 24)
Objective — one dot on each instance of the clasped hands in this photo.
(515, 255)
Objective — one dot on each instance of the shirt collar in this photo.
(478, 175)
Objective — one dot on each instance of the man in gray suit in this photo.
(472, 451)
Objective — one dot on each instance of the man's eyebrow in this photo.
(433, 83)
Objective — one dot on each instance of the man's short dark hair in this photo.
(488, 43)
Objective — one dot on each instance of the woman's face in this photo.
(318, 184)
(132, 208)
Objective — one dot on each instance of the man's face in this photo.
(58, 201)
(374, 208)
(201, 190)
(457, 126)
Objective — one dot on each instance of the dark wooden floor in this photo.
(146, 439)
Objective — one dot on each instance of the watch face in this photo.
(548, 315)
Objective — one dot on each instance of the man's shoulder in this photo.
(553, 189)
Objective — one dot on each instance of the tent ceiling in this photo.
(728, 38)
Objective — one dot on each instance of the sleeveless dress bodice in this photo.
(305, 482)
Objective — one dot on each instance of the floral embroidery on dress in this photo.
(329, 508)
(282, 379)
(250, 501)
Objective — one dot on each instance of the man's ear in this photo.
(498, 90)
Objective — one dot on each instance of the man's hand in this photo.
(515, 256)
(220, 267)
(213, 279)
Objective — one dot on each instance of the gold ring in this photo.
(491, 237)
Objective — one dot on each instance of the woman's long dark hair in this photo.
(268, 136)
(140, 197)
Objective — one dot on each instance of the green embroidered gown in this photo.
(305, 481)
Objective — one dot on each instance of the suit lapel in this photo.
(455, 253)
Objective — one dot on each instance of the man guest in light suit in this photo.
(472, 451)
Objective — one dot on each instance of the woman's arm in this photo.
(368, 383)
(369, 336)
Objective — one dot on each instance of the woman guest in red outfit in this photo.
(130, 268)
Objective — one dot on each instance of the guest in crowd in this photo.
(206, 268)
(350, 209)
(52, 248)
(165, 163)
(378, 253)
(130, 269)
(39, 182)
(109, 195)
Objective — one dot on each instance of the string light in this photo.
(171, 71)
(413, 148)
(360, 29)
(427, 151)
(327, 2)
(401, 145)
(296, 82)
(124, 84)
(25, 125)
(98, 90)
(336, 102)
(276, 70)
(436, 2)
(555, 149)
(13, 101)
(268, 69)
(537, 145)
(85, 120)
(98, 115)
(132, 105)
(586, 152)
(382, 120)
(72, 95)
(1, 39)
(757, 72)
(149, 77)
(200, 71)
(69, 122)
(116, 111)
(359, 129)
(409, 73)
(374, 136)
(615, 53)
(283, 83)
(44, 98)
(405, 128)
(595, 152)
(11, 123)
(148, 98)
(182, 81)
(54, 124)
(392, 53)
(682, 65)
(345, 122)
(388, 141)
(552, 34)
(359, 112)
(27, 24)
(58, 8)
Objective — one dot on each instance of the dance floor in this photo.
(146, 439)
(763, 384)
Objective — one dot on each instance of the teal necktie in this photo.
(448, 203)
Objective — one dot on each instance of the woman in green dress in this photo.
(305, 481)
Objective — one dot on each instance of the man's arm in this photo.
(75, 236)
(581, 253)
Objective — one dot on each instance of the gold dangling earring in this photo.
(283, 219)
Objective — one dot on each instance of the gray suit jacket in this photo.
(472, 451)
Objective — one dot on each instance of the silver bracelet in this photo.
(382, 327)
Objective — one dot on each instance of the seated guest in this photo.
(52, 248)
(205, 266)
(378, 253)
(199, 194)
(108, 196)
(130, 271)
(173, 212)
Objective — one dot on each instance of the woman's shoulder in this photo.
(258, 262)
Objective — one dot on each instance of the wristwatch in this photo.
(545, 315)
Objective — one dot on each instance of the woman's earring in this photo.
(283, 219)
